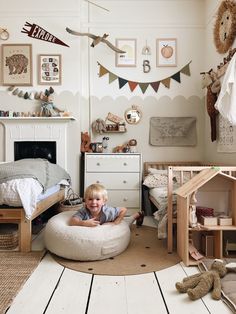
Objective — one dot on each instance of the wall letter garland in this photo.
(144, 85)
(38, 32)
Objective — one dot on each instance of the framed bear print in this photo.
(17, 64)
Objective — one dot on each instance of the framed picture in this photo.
(17, 64)
(127, 59)
(166, 52)
(49, 69)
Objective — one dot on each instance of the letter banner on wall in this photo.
(144, 85)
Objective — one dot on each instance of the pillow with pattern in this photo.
(155, 180)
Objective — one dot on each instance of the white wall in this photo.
(89, 97)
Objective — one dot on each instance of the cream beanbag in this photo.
(85, 243)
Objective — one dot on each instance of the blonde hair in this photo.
(96, 190)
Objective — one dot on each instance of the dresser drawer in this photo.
(114, 180)
(124, 198)
(112, 163)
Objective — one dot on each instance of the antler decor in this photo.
(96, 39)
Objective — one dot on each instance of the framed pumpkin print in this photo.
(127, 59)
(166, 52)
(49, 69)
(17, 64)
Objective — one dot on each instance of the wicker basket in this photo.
(8, 236)
(72, 202)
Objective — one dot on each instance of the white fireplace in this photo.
(33, 129)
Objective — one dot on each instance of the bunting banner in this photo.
(144, 85)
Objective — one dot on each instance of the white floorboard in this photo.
(177, 303)
(36, 292)
(71, 294)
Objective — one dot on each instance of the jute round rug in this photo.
(144, 254)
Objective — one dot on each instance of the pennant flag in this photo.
(132, 85)
(186, 70)
(38, 32)
(176, 77)
(122, 82)
(155, 85)
(143, 86)
(112, 77)
(102, 71)
(166, 82)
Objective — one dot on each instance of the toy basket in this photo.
(8, 236)
(72, 202)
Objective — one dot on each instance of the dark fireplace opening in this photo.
(39, 149)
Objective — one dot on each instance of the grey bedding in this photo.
(46, 173)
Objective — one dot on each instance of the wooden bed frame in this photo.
(9, 214)
(181, 167)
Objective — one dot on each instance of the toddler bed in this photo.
(162, 178)
(28, 187)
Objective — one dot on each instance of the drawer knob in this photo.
(125, 163)
(124, 181)
(97, 181)
(125, 199)
(98, 163)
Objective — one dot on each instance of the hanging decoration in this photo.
(38, 32)
(144, 85)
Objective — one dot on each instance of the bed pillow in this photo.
(155, 170)
(156, 179)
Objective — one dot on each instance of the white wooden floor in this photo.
(53, 289)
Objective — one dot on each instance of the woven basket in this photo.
(8, 236)
(72, 202)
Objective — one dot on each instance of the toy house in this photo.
(214, 188)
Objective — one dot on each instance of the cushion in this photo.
(155, 180)
(85, 243)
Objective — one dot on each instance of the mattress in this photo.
(26, 193)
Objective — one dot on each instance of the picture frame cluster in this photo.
(166, 52)
(17, 66)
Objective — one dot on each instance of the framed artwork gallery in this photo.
(17, 64)
(49, 69)
(166, 52)
(127, 59)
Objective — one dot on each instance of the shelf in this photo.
(37, 118)
(213, 228)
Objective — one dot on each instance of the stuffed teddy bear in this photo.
(198, 285)
(85, 142)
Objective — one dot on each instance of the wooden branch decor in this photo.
(225, 26)
(96, 39)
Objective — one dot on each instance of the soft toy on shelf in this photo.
(198, 285)
(47, 107)
(85, 142)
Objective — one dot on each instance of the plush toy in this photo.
(200, 284)
(85, 142)
(47, 107)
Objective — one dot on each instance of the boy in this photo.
(96, 212)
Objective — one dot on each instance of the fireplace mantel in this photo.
(36, 129)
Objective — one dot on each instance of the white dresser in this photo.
(121, 174)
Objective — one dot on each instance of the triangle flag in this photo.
(166, 82)
(102, 71)
(143, 86)
(186, 70)
(122, 82)
(132, 85)
(38, 32)
(176, 77)
(155, 85)
(112, 77)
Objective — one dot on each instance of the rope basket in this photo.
(8, 236)
(72, 202)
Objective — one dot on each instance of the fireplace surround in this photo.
(33, 131)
